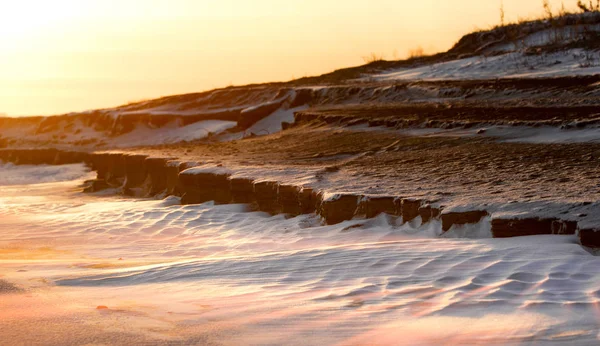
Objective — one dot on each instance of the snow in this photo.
(511, 65)
(506, 133)
(82, 135)
(546, 134)
(272, 123)
(220, 274)
(40, 174)
(173, 110)
(208, 169)
(172, 133)
(457, 199)
(74, 131)
(480, 230)
(565, 35)
(331, 197)
(513, 62)
(199, 130)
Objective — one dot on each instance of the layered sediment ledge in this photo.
(42, 156)
(143, 176)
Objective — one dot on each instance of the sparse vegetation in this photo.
(135, 102)
(547, 9)
(568, 29)
(548, 12)
(562, 27)
(589, 7)
(563, 10)
(416, 53)
(373, 57)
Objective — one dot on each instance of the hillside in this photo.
(556, 51)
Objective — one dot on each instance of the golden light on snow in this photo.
(176, 272)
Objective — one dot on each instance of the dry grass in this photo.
(373, 57)
(417, 52)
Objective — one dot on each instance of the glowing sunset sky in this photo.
(71, 55)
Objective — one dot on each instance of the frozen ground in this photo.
(80, 269)
(572, 62)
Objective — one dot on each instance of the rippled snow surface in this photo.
(103, 269)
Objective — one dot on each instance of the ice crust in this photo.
(272, 279)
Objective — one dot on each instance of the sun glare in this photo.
(29, 17)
